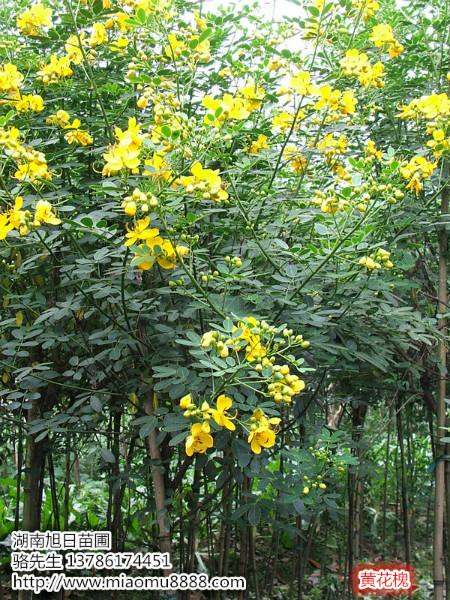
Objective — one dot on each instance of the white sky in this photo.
(280, 8)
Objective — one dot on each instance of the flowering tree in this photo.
(205, 222)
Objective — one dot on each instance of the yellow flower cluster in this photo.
(382, 36)
(248, 339)
(283, 121)
(296, 160)
(371, 150)
(80, 45)
(74, 134)
(335, 100)
(262, 431)
(205, 183)
(158, 167)
(284, 385)
(21, 220)
(416, 170)
(434, 106)
(29, 103)
(367, 7)
(139, 201)
(329, 202)
(333, 146)
(357, 64)
(155, 249)
(31, 164)
(200, 438)
(189, 48)
(33, 20)
(234, 108)
(125, 153)
(301, 83)
(377, 260)
(58, 68)
(257, 145)
(440, 143)
(11, 80)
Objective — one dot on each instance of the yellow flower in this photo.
(199, 441)
(33, 167)
(18, 217)
(186, 402)
(254, 96)
(78, 136)
(140, 232)
(31, 21)
(10, 139)
(301, 82)
(254, 349)
(98, 36)
(124, 154)
(58, 68)
(200, 23)
(202, 50)
(44, 214)
(61, 119)
(220, 415)
(10, 79)
(383, 35)
(440, 143)
(119, 158)
(366, 7)
(259, 144)
(297, 161)
(262, 432)
(371, 150)
(417, 169)
(348, 103)
(175, 47)
(373, 76)
(332, 146)
(119, 45)
(29, 103)
(284, 120)
(73, 49)
(5, 226)
(205, 182)
(227, 107)
(163, 252)
(160, 168)
(395, 49)
(118, 20)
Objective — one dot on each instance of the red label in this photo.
(383, 579)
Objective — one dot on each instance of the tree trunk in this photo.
(439, 499)
(32, 492)
(404, 486)
(159, 488)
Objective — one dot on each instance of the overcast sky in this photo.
(280, 7)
